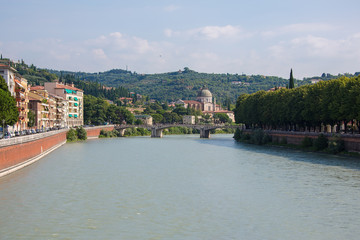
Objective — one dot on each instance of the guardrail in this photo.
(28, 138)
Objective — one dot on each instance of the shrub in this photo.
(259, 137)
(238, 134)
(336, 145)
(81, 133)
(71, 135)
(321, 142)
(307, 142)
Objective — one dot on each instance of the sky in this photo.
(157, 36)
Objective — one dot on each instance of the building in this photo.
(61, 110)
(74, 98)
(22, 102)
(205, 103)
(315, 80)
(187, 119)
(146, 119)
(8, 73)
(38, 103)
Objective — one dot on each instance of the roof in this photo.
(7, 67)
(191, 102)
(34, 88)
(204, 92)
(58, 85)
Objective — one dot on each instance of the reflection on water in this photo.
(181, 187)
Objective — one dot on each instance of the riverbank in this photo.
(19, 152)
(308, 141)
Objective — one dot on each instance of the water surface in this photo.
(181, 187)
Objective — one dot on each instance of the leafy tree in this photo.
(31, 117)
(8, 110)
(222, 117)
(81, 133)
(157, 118)
(71, 135)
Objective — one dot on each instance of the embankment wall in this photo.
(18, 152)
(352, 141)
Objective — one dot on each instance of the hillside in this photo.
(182, 84)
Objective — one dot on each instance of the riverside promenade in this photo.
(19, 152)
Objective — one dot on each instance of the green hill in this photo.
(181, 84)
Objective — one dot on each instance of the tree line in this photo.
(326, 103)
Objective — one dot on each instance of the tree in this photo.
(222, 117)
(291, 80)
(81, 133)
(9, 113)
(31, 117)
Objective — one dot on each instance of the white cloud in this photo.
(99, 53)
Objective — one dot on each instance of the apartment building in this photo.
(74, 97)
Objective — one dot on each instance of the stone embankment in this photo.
(19, 152)
(352, 141)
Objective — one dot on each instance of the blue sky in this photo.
(228, 36)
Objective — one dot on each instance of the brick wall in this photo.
(94, 132)
(16, 154)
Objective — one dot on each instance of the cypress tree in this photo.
(291, 80)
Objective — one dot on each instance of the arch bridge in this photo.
(157, 130)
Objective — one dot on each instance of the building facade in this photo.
(8, 73)
(74, 108)
(205, 103)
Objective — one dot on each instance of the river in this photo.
(181, 187)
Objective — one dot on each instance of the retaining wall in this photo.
(22, 151)
(18, 152)
(352, 141)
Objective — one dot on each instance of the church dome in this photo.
(204, 92)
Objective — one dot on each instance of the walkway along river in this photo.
(181, 187)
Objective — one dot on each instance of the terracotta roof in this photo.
(58, 85)
(34, 88)
(191, 102)
(8, 67)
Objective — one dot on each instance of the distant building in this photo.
(187, 119)
(204, 102)
(146, 119)
(276, 88)
(315, 80)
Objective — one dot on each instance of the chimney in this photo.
(72, 84)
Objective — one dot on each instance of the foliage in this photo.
(321, 142)
(336, 144)
(166, 87)
(8, 109)
(310, 106)
(97, 111)
(81, 133)
(180, 130)
(31, 117)
(222, 118)
(237, 135)
(71, 135)
(108, 134)
(307, 142)
(137, 132)
(291, 80)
